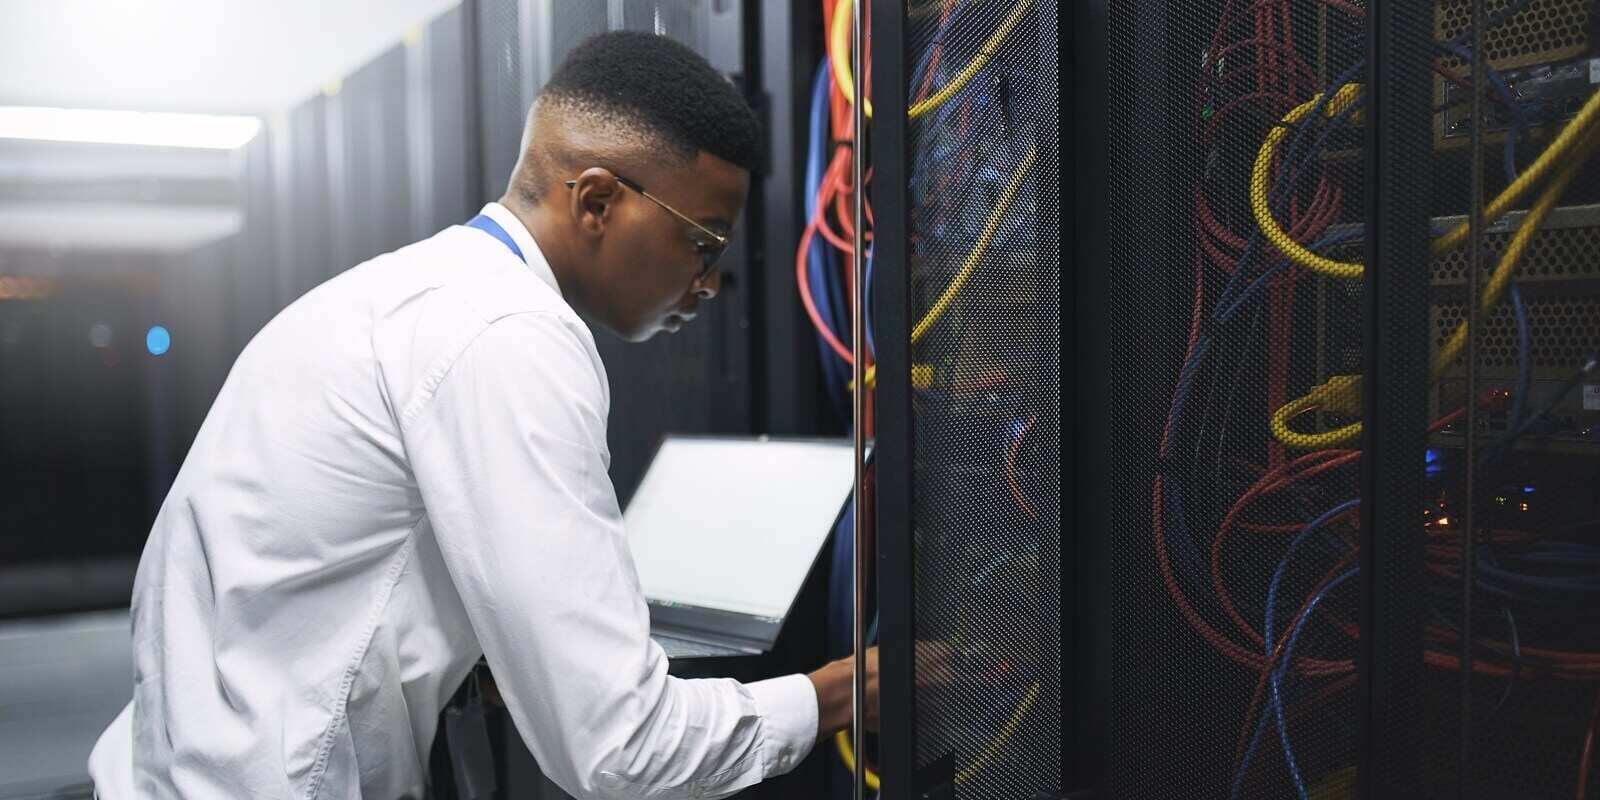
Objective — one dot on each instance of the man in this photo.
(408, 467)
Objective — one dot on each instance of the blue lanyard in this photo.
(489, 226)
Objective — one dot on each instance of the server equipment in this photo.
(966, 335)
(1346, 255)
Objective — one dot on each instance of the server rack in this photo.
(1321, 543)
(1376, 550)
(968, 329)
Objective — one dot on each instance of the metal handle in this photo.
(858, 336)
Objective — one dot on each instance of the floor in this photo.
(62, 680)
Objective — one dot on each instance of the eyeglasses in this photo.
(709, 251)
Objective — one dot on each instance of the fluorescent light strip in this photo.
(155, 129)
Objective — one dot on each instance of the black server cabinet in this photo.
(965, 138)
(1326, 541)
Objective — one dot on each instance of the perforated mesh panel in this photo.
(985, 271)
(1563, 249)
(1212, 332)
(1546, 30)
(1210, 536)
(1516, 727)
(1562, 331)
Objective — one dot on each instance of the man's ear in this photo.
(594, 197)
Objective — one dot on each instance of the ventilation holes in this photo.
(1546, 30)
(1561, 332)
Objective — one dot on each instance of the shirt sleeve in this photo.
(510, 457)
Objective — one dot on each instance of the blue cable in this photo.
(1276, 675)
(1223, 314)
(1518, 123)
(1524, 358)
(833, 285)
(1275, 194)
(1287, 178)
(1288, 655)
(1520, 311)
(1184, 546)
(819, 264)
(813, 180)
(872, 346)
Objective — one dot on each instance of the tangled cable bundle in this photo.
(952, 98)
(1264, 225)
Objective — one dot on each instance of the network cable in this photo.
(1342, 395)
(818, 273)
(974, 258)
(839, 37)
(1536, 571)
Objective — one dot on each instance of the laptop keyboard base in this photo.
(684, 648)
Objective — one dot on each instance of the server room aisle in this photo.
(62, 680)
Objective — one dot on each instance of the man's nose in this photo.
(708, 287)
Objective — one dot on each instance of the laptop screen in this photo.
(734, 524)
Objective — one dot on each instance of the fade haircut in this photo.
(654, 92)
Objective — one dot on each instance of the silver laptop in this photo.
(724, 531)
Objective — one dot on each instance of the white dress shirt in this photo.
(406, 468)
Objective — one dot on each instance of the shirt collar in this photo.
(519, 234)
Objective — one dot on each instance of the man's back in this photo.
(409, 467)
(295, 627)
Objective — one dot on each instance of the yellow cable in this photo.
(965, 76)
(1260, 175)
(844, 745)
(847, 754)
(1342, 393)
(969, 265)
(844, 77)
(1297, 253)
(839, 55)
(1001, 738)
(1501, 277)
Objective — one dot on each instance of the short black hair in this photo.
(664, 87)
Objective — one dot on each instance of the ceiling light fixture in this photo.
(147, 128)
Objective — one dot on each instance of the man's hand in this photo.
(832, 682)
(834, 694)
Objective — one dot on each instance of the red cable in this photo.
(938, 51)
(1011, 470)
(825, 198)
(804, 284)
(1294, 61)
(1221, 643)
(1313, 464)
